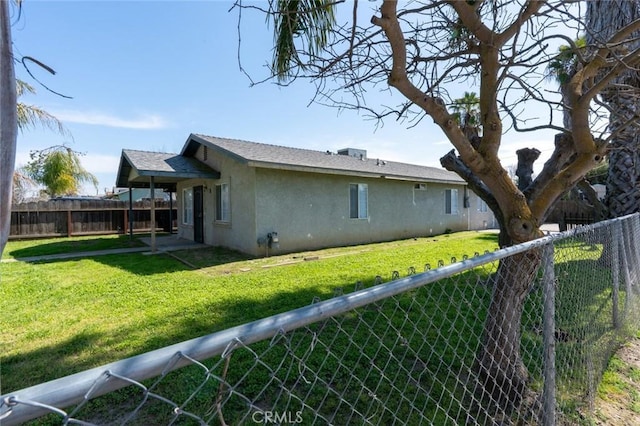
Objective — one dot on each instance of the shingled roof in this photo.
(286, 158)
(137, 167)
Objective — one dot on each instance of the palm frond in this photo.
(22, 87)
(565, 64)
(31, 116)
(305, 21)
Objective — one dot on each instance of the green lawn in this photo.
(66, 316)
(69, 315)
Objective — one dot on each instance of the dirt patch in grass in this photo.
(618, 400)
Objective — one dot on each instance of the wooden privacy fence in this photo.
(55, 218)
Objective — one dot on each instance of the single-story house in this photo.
(262, 199)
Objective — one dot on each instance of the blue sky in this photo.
(145, 74)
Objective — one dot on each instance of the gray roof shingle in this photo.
(166, 168)
(280, 157)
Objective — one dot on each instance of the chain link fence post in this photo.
(615, 273)
(548, 336)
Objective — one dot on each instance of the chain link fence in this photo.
(521, 335)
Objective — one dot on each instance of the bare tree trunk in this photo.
(526, 158)
(8, 123)
(501, 377)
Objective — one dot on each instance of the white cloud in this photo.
(96, 163)
(142, 122)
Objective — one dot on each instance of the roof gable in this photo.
(137, 167)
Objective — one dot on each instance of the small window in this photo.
(420, 186)
(482, 206)
(451, 201)
(187, 206)
(358, 201)
(205, 153)
(222, 203)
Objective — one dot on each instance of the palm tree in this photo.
(466, 112)
(562, 68)
(605, 18)
(59, 170)
(30, 117)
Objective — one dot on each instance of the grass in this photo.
(43, 247)
(105, 308)
(406, 351)
(620, 381)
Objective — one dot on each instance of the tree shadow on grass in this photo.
(89, 350)
(211, 256)
(135, 263)
(75, 245)
(140, 263)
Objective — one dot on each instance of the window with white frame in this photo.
(358, 201)
(451, 201)
(187, 206)
(222, 203)
(482, 206)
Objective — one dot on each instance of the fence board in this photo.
(85, 217)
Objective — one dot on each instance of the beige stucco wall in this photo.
(239, 233)
(480, 219)
(310, 210)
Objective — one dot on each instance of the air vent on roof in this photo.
(354, 152)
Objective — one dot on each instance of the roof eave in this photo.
(333, 171)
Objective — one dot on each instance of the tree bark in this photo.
(8, 123)
(501, 377)
(623, 178)
(605, 19)
(524, 171)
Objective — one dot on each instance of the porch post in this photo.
(130, 213)
(170, 212)
(153, 215)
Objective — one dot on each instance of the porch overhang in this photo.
(138, 167)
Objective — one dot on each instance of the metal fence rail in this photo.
(403, 352)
